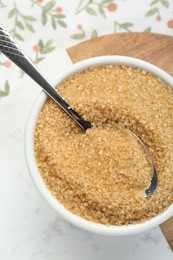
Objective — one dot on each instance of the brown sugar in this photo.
(101, 175)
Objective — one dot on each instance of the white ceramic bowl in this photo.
(29, 150)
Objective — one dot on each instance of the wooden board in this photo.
(155, 48)
(167, 228)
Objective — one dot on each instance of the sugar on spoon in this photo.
(9, 48)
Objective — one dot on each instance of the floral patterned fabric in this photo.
(42, 26)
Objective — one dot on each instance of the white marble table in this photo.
(29, 228)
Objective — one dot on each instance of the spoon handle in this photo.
(10, 49)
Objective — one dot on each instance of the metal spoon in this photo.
(10, 49)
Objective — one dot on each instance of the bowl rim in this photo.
(36, 176)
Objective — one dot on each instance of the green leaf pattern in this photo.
(5, 91)
(20, 22)
(49, 11)
(156, 5)
(2, 4)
